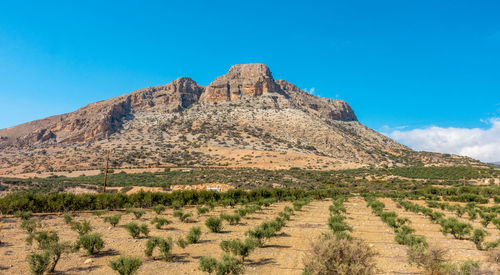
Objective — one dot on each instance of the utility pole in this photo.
(106, 173)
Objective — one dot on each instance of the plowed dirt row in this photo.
(281, 255)
(392, 257)
(458, 250)
(493, 232)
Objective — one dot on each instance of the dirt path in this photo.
(284, 253)
(368, 227)
(458, 250)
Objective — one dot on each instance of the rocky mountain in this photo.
(242, 118)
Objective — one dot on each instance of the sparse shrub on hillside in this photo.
(265, 230)
(297, 205)
(67, 218)
(486, 218)
(496, 222)
(38, 262)
(81, 227)
(227, 202)
(125, 265)
(45, 238)
(29, 225)
(459, 230)
(202, 210)
(159, 222)
(233, 219)
(405, 236)
(181, 242)
(194, 235)
(339, 226)
(477, 238)
(339, 256)
(183, 217)
(227, 266)
(93, 243)
(134, 229)
(138, 213)
(113, 220)
(214, 224)
(208, 264)
(159, 208)
(24, 215)
(164, 245)
(177, 205)
(238, 247)
(46, 261)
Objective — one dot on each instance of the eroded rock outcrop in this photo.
(243, 80)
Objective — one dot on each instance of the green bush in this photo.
(183, 217)
(93, 243)
(459, 230)
(194, 235)
(208, 264)
(113, 220)
(67, 218)
(29, 225)
(405, 236)
(81, 227)
(214, 224)
(159, 222)
(227, 266)
(135, 230)
(125, 265)
(38, 262)
(238, 247)
(24, 215)
(144, 229)
(52, 250)
(202, 210)
(164, 245)
(477, 238)
(137, 213)
(181, 242)
(338, 225)
(46, 238)
(496, 222)
(486, 218)
(233, 219)
(159, 208)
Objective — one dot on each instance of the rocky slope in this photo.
(243, 118)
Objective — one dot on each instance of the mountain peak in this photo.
(250, 70)
(242, 80)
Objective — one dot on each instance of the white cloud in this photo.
(311, 91)
(389, 128)
(482, 144)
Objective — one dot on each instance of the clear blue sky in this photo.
(397, 63)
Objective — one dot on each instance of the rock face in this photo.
(244, 80)
(326, 108)
(101, 119)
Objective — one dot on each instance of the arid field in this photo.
(281, 254)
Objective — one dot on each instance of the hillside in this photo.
(244, 118)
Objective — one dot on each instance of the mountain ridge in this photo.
(183, 122)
